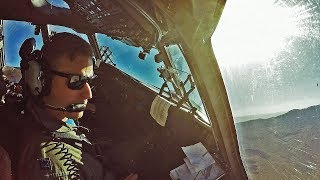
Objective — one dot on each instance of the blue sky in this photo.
(125, 57)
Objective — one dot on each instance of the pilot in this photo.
(56, 82)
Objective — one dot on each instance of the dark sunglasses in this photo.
(75, 81)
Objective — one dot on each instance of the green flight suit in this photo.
(55, 150)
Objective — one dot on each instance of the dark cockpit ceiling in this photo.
(138, 23)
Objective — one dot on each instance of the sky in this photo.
(125, 57)
(269, 54)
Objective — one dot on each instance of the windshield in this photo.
(182, 69)
(126, 58)
(147, 71)
(121, 56)
(268, 53)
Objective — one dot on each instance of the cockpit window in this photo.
(181, 67)
(15, 32)
(126, 58)
(268, 53)
(58, 29)
(150, 73)
(58, 3)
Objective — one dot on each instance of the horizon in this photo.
(252, 117)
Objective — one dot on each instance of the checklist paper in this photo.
(199, 165)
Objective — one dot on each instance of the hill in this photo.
(283, 147)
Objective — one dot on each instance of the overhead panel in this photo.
(115, 19)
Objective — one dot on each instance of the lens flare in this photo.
(257, 31)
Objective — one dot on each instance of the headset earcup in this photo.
(47, 78)
(34, 77)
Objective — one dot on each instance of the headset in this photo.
(37, 76)
(35, 70)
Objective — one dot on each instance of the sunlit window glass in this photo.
(268, 52)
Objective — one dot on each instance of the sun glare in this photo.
(256, 31)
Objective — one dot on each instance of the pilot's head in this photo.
(70, 60)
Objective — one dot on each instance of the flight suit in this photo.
(50, 149)
(5, 165)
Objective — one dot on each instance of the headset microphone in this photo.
(76, 107)
(70, 108)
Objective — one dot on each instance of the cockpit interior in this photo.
(139, 123)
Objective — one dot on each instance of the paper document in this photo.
(198, 156)
(181, 173)
(199, 165)
(159, 109)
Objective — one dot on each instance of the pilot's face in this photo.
(61, 95)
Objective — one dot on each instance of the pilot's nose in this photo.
(86, 91)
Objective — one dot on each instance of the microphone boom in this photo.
(70, 108)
